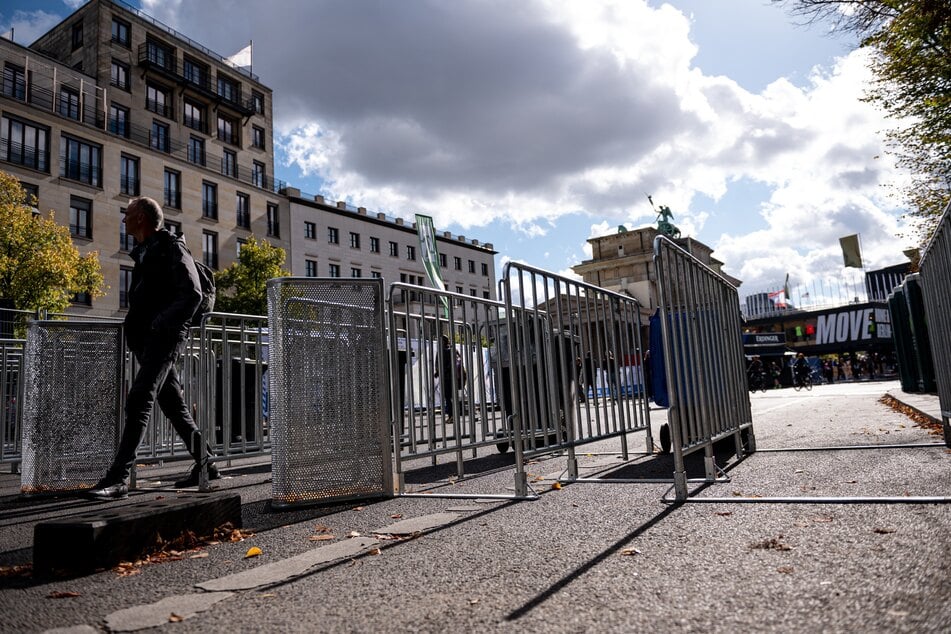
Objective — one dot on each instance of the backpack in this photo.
(206, 278)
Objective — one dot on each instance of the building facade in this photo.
(111, 104)
(337, 240)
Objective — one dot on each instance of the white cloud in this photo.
(474, 112)
(28, 25)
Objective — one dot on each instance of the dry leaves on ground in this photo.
(773, 543)
(63, 594)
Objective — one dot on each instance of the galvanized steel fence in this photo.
(935, 270)
(11, 386)
(703, 358)
(72, 403)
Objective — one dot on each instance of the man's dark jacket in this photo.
(164, 294)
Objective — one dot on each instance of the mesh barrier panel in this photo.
(328, 390)
(72, 403)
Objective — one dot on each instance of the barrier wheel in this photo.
(665, 444)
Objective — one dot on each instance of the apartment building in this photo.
(111, 104)
(333, 239)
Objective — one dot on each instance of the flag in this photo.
(241, 59)
(851, 252)
(786, 286)
(430, 255)
(778, 298)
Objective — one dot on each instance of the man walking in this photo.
(163, 297)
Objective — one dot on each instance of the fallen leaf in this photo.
(376, 551)
(785, 569)
(62, 594)
(254, 551)
(358, 508)
(884, 531)
(267, 595)
(822, 519)
(174, 618)
(630, 552)
(724, 513)
(396, 516)
(320, 528)
(773, 543)
(556, 486)
(159, 497)
(473, 601)
(321, 538)
(353, 534)
(201, 555)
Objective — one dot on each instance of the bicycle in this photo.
(803, 381)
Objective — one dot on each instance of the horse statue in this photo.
(664, 225)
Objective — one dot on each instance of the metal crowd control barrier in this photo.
(72, 403)
(11, 386)
(575, 372)
(445, 378)
(935, 271)
(328, 396)
(703, 359)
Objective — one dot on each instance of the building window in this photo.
(375, 274)
(159, 139)
(81, 161)
(394, 249)
(257, 174)
(239, 244)
(333, 236)
(77, 36)
(374, 245)
(157, 101)
(14, 81)
(194, 116)
(355, 272)
(229, 164)
(119, 120)
(127, 241)
(128, 175)
(80, 217)
(125, 286)
(442, 260)
(334, 270)
(457, 263)
(243, 210)
(257, 137)
(31, 195)
(354, 240)
(119, 76)
(257, 102)
(25, 144)
(273, 220)
(228, 89)
(82, 298)
(471, 266)
(196, 150)
(410, 252)
(174, 228)
(210, 249)
(310, 268)
(310, 230)
(195, 72)
(485, 270)
(209, 200)
(69, 102)
(485, 294)
(227, 130)
(121, 32)
(160, 55)
(173, 189)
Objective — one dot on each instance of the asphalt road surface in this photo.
(865, 547)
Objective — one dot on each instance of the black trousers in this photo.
(156, 378)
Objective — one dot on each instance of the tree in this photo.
(911, 45)
(40, 268)
(242, 287)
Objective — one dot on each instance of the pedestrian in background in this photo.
(163, 297)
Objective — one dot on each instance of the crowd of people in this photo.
(829, 369)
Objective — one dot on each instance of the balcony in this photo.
(25, 155)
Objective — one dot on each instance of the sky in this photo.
(535, 125)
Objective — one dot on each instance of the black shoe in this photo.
(106, 490)
(192, 479)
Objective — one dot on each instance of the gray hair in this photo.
(150, 208)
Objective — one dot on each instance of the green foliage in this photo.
(40, 268)
(242, 287)
(911, 45)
